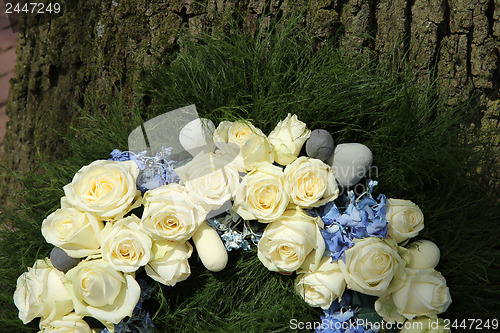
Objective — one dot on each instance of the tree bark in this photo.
(62, 57)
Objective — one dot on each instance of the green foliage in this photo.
(423, 151)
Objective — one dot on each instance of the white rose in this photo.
(405, 219)
(71, 323)
(425, 325)
(261, 195)
(370, 265)
(287, 139)
(76, 232)
(169, 213)
(310, 182)
(254, 145)
(105, 188)
(422, 292)
(209, 179)
(125, 245)
(287, 242)
(170, 264)
(40, 292)
(322, 286)
(101, 292)
(386, 309)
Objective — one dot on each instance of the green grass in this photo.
(423, 151)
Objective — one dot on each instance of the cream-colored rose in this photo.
(76, 232)
(169, 213)
(125, 245)
(261, 195)
(105, 188)
(287, 139)
(40, 292)
(386, 309)
(210, 179)
(287, 242)
(170, 264)
(322, 286)
(254, 145)
(423, 292)
(310, 182)
(101, 292)
(425, 325)
(405, 219)
(221, 133)
(370, 265)
(71, 323)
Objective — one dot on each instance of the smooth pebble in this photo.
(424, 254)
(211, 249)
(350, 162)
(61, 260)
(197, 136)
(320, 144)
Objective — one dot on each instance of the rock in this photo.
(211, 249)
(320, 144)
(196, 136)
(350, 162)
(424, 254)
(61, 260)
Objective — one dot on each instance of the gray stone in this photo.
(320, 144)
(350, 162)
(61, 260)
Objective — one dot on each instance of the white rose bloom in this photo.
(77, 233)
(386, 309)
(423, 292)
(261, 195)
(169, 213)
(71, 323)
(170, 264)
(425, 325)
(322, 286)
(101, 292)
(125, 245)
(105, 188)
(370, 265)
(287, 242)
(405, 219)
(287, 139)
(254, 145)
(210, 179)
(310, 182)
(221, 133)
(40, 292)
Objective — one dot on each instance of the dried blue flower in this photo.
(155, 170)
(341, 318)
(234, 231)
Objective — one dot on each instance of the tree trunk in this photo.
(60, 58)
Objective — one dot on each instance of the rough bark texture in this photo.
(62, 57)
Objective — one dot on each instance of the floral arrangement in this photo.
(284, 193)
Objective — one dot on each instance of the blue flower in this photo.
(362, 217)
(154, 170)
(341, 318)
(336, 240)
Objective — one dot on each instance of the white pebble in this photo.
(210, 247)
(197, 136)
(350, 162)
(424, 254)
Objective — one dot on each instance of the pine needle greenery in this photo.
(423, 150)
